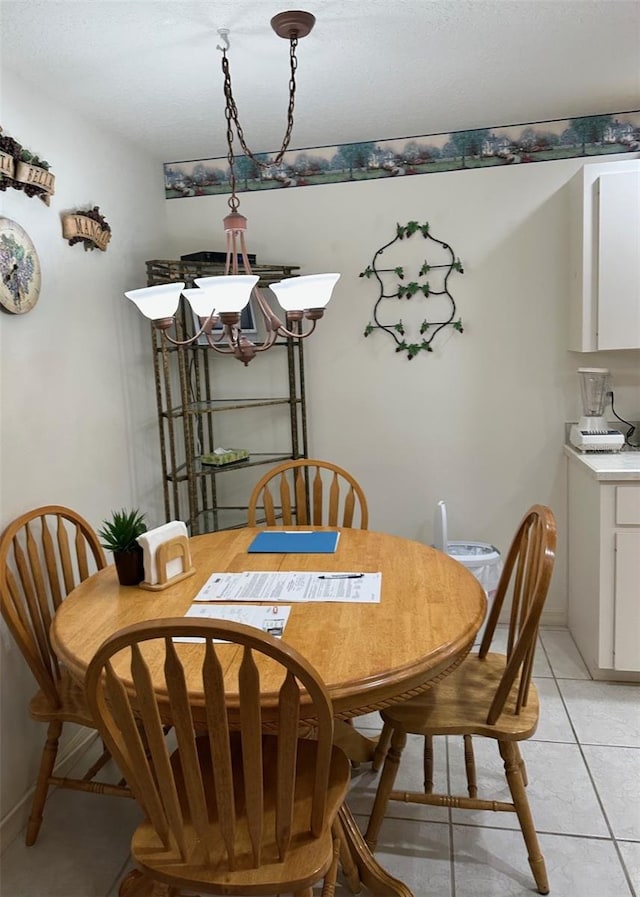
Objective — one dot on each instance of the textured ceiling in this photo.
(371, 69)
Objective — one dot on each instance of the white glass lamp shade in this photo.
(157, 302)
(308, 291)
(201, 302)
(227, 293)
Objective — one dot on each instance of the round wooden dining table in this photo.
(369, 655)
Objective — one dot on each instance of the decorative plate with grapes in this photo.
(19, 269)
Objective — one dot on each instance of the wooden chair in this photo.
(308, 492)
(489, 695)
(234, 810)
(44, 554)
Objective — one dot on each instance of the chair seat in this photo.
(460, 703)
(72, 707)
(307, 857)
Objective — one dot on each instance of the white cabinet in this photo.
(626, 634)
(604, 572)
(605, 257)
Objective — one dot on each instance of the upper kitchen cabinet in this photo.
(605, 257)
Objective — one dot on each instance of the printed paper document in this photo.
(268, 619)
(359, 588)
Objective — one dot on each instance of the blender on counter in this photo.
(592, 433)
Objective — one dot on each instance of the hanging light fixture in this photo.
(220, 300)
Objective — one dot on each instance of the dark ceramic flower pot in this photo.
(130, 566)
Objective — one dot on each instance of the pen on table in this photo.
(342, 576)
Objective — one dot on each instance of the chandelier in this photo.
(217, 302)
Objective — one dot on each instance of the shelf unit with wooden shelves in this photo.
(202, 405)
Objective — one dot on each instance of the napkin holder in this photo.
(170, 550)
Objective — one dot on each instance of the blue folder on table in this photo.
(295, 542)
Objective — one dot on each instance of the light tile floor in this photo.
(584, 771)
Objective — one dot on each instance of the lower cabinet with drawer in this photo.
(604, 572)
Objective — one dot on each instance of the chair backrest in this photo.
(309, 492)
(180, 799)
(44, 554)
(525, 578)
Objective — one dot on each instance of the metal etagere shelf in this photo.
(193, 415)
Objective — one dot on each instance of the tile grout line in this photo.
(452, 855)
(119, 875)
(579, 744)
(612, 838)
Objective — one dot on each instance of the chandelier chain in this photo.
(231, 115)
(300, 299)
(233, 200)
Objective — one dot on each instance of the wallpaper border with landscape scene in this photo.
(591, 135)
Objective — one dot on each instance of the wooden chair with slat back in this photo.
(489, 695)
(44, 554)
(309, 492)
(234, 809)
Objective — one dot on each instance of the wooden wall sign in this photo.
(7, 165)
(24, 171)
(88, 227)
(35, 179)
(10, 151)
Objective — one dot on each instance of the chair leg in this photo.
(427, 764)
(131, 883)
(382, 747)
(102, 761)
(355, 764)
(385, 786)
(47, 762)
(140, 884)
(470, 766)
(329, 886)
(349, 868)
(518, 793)
(521, 764)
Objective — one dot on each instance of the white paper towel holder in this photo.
(178, 547)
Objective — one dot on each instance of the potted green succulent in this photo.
(119, 535)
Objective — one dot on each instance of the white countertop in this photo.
(608, 465)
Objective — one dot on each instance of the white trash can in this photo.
(482, 559)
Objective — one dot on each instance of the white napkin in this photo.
(149, 543)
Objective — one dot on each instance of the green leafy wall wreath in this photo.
(428, 329)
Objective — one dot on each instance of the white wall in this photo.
(78, 418)
(480, 421)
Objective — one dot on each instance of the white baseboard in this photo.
(554, 619)
(13, 823)
(614, 676)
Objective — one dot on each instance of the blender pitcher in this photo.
(592, 433)
(594, 385)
